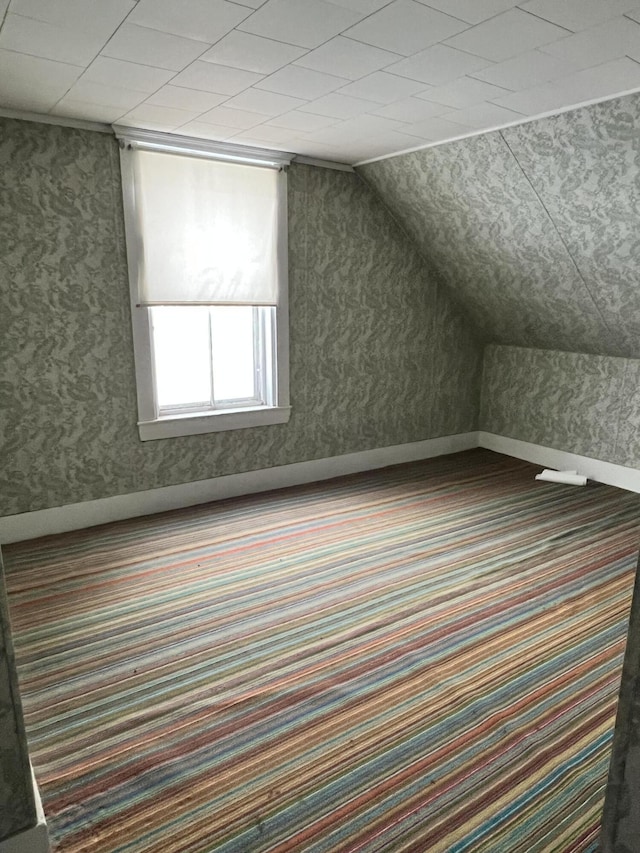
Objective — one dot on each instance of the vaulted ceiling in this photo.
(535, 228)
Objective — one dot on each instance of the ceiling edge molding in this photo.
(322, 164)
(99, 127)
(61, 121)
(523, 120)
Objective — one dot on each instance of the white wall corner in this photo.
(548, 457)
(34, 840)
(29, 525)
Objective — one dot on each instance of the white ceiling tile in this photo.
(39, 38)
(166, 116)
(301, 122)
(228, 117)
(335, 136)
(365, 126)
(41, 100)
(215, 78)
(96, 17)
(185, 99)
(338, 135)
(507, 35)
(538, 99)
(36, 101)
(610, 40)
(203, 20)
(310, 148)
(464, 92)
(305, 75)
(252, 4)
(336, 105)
(483, 115)
(436, 128)
(24, 74)
(266, 134)
(266, 103)
(347, 58)
(69, 108)
(405, 27)
(389, 143)
(301, 82)
(471, 11)
(525, 71)
(251, 138)
(306, 23)
(204, 130)
(411, 110)
(383, 88)
(438, 65)
(128, 75)
(109, 96)
(619, 75)
(152, 47)
(576, 15)
(364, 6)
(253, 53)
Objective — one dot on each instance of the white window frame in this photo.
(152, 424)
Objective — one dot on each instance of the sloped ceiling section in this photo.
(534, 228)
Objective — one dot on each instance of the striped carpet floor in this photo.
(424, 658)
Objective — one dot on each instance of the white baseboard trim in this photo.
(29, 525)
(549, 457)
(34, 840)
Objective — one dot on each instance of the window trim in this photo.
(151, 425)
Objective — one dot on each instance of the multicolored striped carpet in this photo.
(424, 658)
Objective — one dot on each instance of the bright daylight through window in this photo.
(206, 241)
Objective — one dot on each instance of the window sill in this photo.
(178, 425)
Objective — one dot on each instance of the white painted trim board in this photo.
(595, 469)
(29, 525)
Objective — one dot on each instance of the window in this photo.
(206, 243)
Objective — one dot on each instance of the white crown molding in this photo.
(61, 121)
(322, 164)
(180, 141)
(595, 469)
(29, 525)
(519, 121)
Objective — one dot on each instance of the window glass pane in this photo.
(181, 352)
(232, 334)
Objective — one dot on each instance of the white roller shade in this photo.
(208, 230)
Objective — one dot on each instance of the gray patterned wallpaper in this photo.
(584, 404)
(17, 806)
(379, 355)
(535, 228)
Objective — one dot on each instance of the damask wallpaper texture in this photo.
(379, 354)
(535, 229)
(586, 404)
(17, 806)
